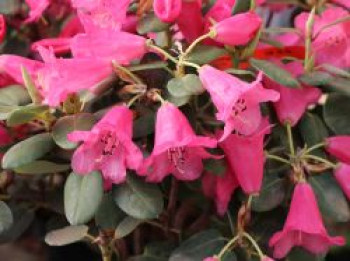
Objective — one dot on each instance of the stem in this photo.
(232, 227)
(290, 139)
(228, 246)
(277, 158)
(191, 65)
(255, 245)
(106, 254)
(127, 72)
(194, 43)
(308, 38)
(160, 50)
(133, 99)
(331, 164)
(160, 98)
(315, 147)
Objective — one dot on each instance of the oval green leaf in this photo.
(336, 113)
(25, 114)
(66, 236)
(108, 214)
(6, 217)
(82, 197)
(28, 151)
(128, 225)
(41, 167)
(139, 199)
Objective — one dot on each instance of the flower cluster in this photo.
(207, 100)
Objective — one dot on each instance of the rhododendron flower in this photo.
(167, 10)
(304, 226)
(342, 175)
(339, 147)
(220, 188)
(345, 3)
(237, 101)
(191, 28)
(71, 28)
(331, 44)
(177, 149)
(101, 13)
(61, 77)
(229, 31)
(2, 28)
(293, 102)
(245, 155)
(5, 138)
(111, 45)
(37, 7)
(107, 147)
(58, 45)
(12, 64)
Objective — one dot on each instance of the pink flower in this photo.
(293, 102)
(220, 188)
(5, 138)
(101, 13)
(345, 3)
(177, 149)
(12, 64)
(37, 7)
(342, 175)
(191, 28)
(71, 28)
(339, 147)
(60, 77)
(229, 31)
(167, 10)
(331, 45)
(237, 101)
(245, 155)
(108, 44)
(107, 147)
(2, 28)
(304, 226)
(58, 45)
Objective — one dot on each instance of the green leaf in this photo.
(178, 101)
(66, 235)
(204, 54)
(188, 85)
(271, 195)
(14, 95)
(330, 197)
(335, 113)
(335, 70)
(108, 214)
(275, 73)
(25, 114)
(313, 131)
(68, 124)
(128, 225)
(241, 6)
(151, 23)
(6, 217)
(139, 199)
(316, 78)
(28, 151)
(199, 246)
(41, 167)
(29, 84)
(338, 85)
(22, 219)
(82, 197)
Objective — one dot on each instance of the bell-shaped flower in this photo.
(2, 28)
(304, 226)
(12, 66)
(61, 77)
(237, 101)
(229, 31)
(245, 155)
(101, 13)
(58, 45)
(177, 149)
(37, 7)
(108, 147)
(192, 28)
(110, 45)
(220, 188)
(167, 10)
(293, 102)
(339, 147)
(342, 175)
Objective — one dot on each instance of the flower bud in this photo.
(167, 10)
